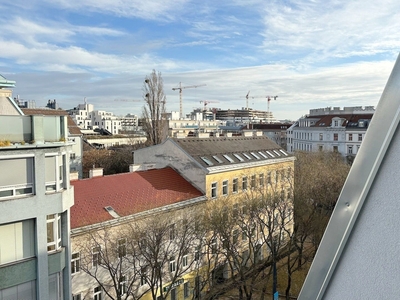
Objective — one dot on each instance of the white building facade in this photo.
(330, 129)
(86, 117)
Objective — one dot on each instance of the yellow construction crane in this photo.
(180, 88)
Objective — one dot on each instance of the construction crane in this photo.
(206, 102)
(254, 97)
(180, 88)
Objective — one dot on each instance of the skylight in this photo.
(206, 160)
(276, 152)
(255, 155)
(270, 154)
(246, 155)
(111, 211)
(284, 153)
(238, 157)
(228, 158)
(262, 154)
(217, 159)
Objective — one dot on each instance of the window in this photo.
(335, 149)
(76, 297)
(235, 210)
(228, 158)
(225, 187)
(172, 264)
(350, 136)
(255, 155)
(253, 181)
(206, 160)
(321, 136)
(197, 253)
(75, 263)
(143, 275)
(173, 294)
(96, 256)
(247, 156)
(214, 190)
(121, 248)
(359, 137)
(72, 156)
(97, 295)
(262, 154)
(335, 137)
(238, 157)
(122, 285)
(214, 246)
(171, 232)
(261, 179)
(54, 172)
(17, 242)
(350, 149)
(53, 232)
(269, 178)
(320, 148)
(235, 236)
(19, 182)
(244, 183)
(235, 185)
(336, 123)
(186, 291)
(217, 159)
(185, 261)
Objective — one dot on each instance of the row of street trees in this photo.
(226, 244)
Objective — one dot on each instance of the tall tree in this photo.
(154, 123)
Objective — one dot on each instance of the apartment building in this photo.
(330, 129)
(74, 136)
(219, 165)
(86, 117)
(106, 249)
(35, 201)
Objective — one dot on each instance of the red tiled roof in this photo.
(127, 193)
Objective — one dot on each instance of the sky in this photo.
(309, 53)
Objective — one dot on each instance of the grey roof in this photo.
(219, 151)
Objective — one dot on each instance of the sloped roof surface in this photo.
(326, 120)
(127, 194)
(72, 128)
(203, 150)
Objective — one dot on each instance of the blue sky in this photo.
(311, 54)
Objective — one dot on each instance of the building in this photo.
(74, 136)
(357, 257)
(330, 129)
(86, 117)
(244, 116)
(35, 201)
(112, 204)
(277, 132)
(218, 165)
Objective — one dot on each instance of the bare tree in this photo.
(154, 123)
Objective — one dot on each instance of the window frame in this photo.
(225, 188)
(75, 263)
(53, 225)
(244, 183)
(96, 256)
(121, 247)
(214, 189)
(235, 185)
(97, 293)
(172, 265)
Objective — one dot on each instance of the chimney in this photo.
(95, 172)
(134, 168)
(73, 176)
